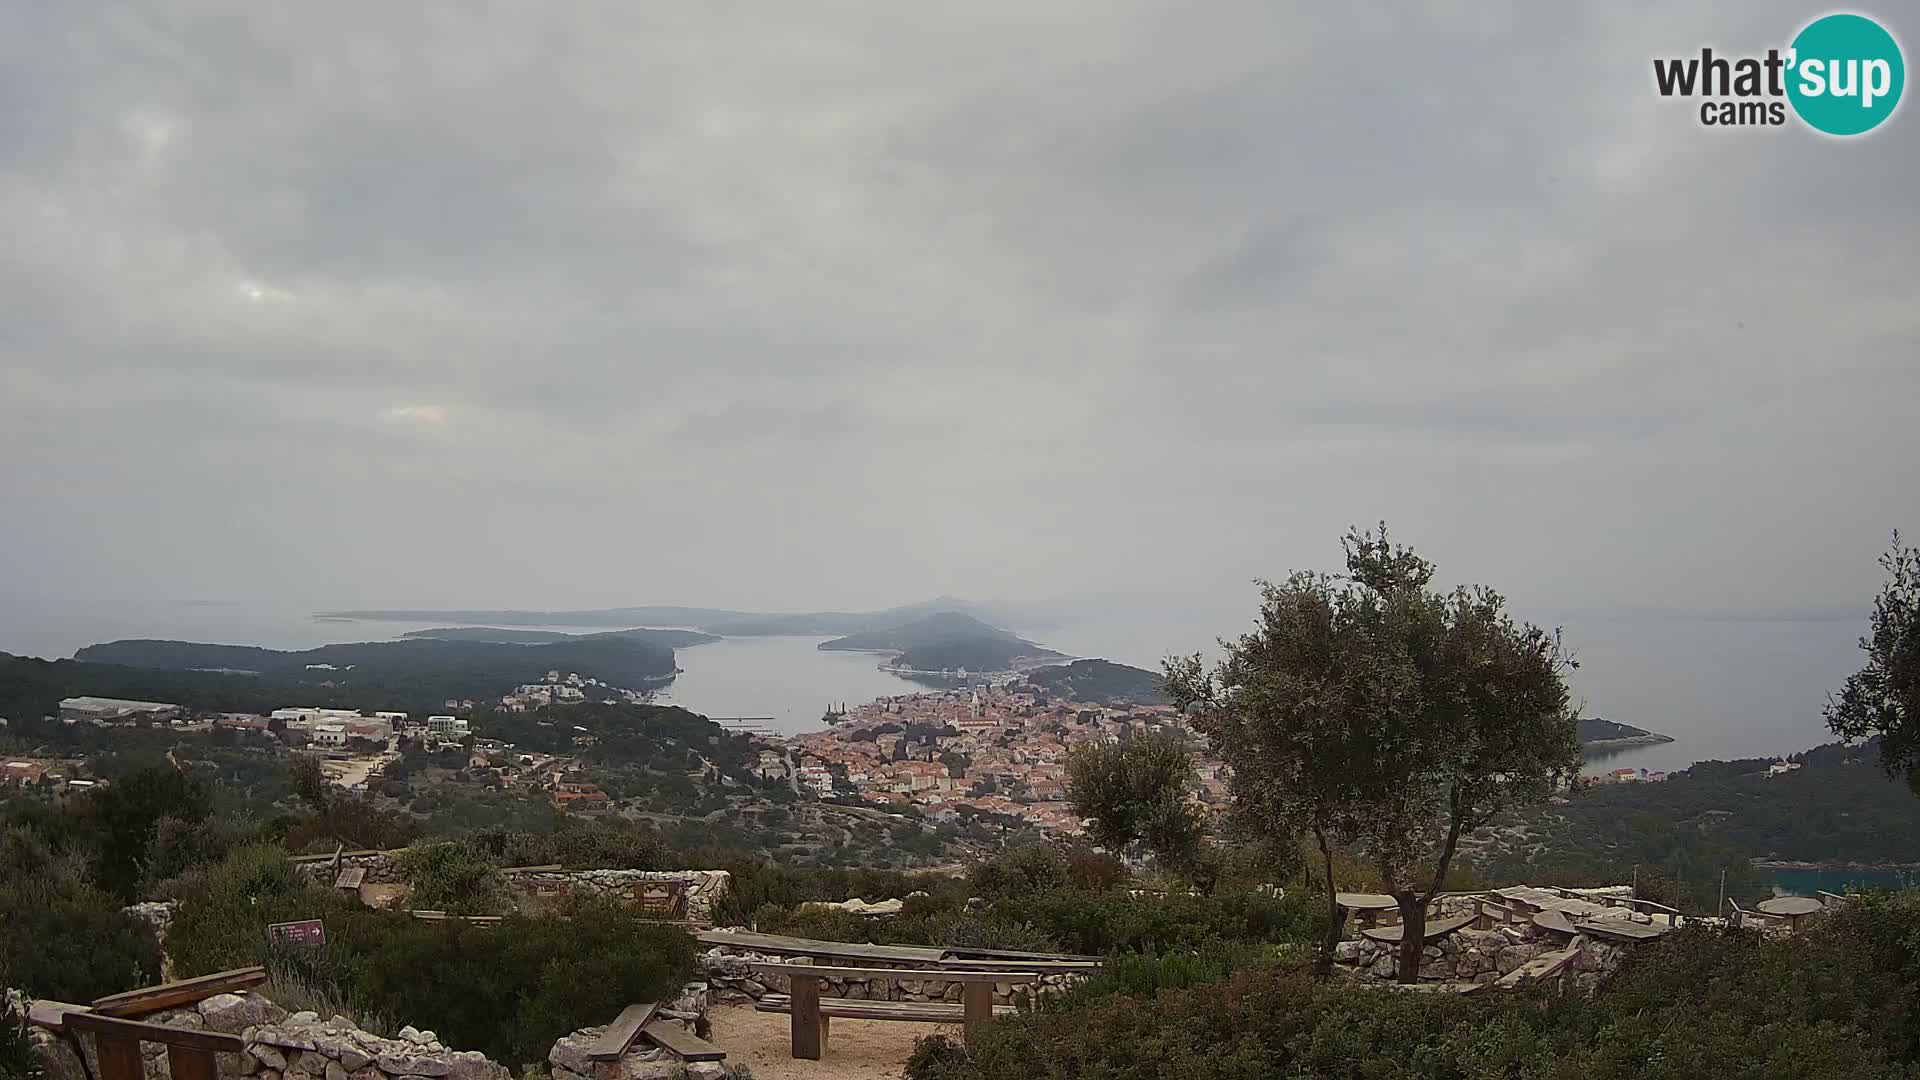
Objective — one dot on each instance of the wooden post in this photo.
(186, 1063)
(119, 1056)
(976, 1004)
(809, 1027)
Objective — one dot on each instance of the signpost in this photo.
(303, 932)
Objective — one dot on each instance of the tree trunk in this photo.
(1413, 935)
(1336, 918)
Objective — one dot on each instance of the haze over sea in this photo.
(1722, 687)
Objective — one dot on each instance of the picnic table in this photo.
(1790, 908)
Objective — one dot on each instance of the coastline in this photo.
(1649, 739)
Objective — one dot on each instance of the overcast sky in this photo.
(802, 305)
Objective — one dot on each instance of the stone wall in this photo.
(301, 1046)
(734, 982)
(568, 1058)
(283, 1046)
(704, 888)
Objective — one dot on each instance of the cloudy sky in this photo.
(799, 305)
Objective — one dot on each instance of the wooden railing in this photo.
(117, 1038)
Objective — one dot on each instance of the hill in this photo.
(1595, 732)
(1100, 681)
(946, 641)
(672, 639)
(442, 668)
(1837, 808)
(712, 620)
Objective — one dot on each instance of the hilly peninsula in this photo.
(672, 639)
(416, 667)
(1100, 682)
(947, 641)
(723, 621)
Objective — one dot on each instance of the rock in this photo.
(285, 1038)
(1348, 952)
(234, 1013)
(343, 1049)
(269, 1074)
(473, 1065)
(234, 1065)
(401, 1063)
(268, 1055)
(311, 1062)
(304, 1016)
(411, 1034)
(335, 1072)
(570, 1052)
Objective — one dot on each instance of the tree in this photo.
(1883, 698)
(1136, 792)
(128, 812)
(1381, 715)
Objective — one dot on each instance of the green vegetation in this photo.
(1717, 815)
(1842, 1001)
(1100, 682)
(671, 639)
(62, 936)
(1595, 730)
(1377, 714)
(1135, 792)
(415, 670)
(945, 641)
(1883, 698)
(509, 990)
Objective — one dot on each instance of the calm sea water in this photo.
(1809, 882)
(1722, 689)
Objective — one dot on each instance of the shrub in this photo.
(17, 1059)
(512, 989)
(1022, 871)
(61, 936)
(454, 875)
(1117, 922)
(226, 908)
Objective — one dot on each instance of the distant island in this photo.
(721, 621)
(947, 641)
(672, 639)
(435, 668)
(1596, 734)
(1101, 682)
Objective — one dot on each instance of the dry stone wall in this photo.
(568, 1059)
(282, 1046)
(704, 888)
(733, 980)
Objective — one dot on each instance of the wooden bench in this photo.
(811, 1012)
(117, 1039)
(637, 1022)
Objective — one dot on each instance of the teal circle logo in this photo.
(1845, 74)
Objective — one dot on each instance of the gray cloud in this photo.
(842, 304)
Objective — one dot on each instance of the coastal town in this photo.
(997, 750)
(991, 749)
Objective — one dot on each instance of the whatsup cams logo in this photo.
(1841, 75)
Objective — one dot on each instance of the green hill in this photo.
(945, 641)
(1100, 681)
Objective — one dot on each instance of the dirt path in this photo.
(856, 1049)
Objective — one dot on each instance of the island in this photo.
(721, 621)
(672, 639)
(1598, 734)
(1100, 682)
(947, 641)
(417, 668)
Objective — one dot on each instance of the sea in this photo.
(1721, 688)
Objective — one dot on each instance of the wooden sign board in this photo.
(303, 932)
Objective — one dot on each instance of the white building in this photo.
(455, 726)
(328, 734)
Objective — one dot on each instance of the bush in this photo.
(1098, 924)
(512, 989)
(17, 1059)
(1839, 1001)
(61, 936)
(454, 875)
(226, 908)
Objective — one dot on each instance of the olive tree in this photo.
(1883, 698)
(1136, 792)
(1385, 717)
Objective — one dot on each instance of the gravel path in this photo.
(856, 1049)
